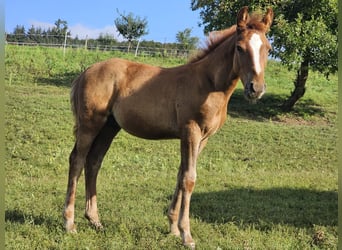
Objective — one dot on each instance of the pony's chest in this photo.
(213, 114)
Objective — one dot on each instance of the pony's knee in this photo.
(189, 181)
(189, 185)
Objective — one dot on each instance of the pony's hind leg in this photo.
(173, 213)
(95, 156)
(85, 135)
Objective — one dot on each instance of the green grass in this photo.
(266, 180)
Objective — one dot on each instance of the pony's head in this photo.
(251, 51)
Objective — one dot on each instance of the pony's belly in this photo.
(147, 127)
(149, 132)
(152, 135)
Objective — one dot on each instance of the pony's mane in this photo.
(216, 38)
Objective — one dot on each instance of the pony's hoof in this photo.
(95, 223)
(190, 245)
(98, 226)
(175, 233)
(70, 228)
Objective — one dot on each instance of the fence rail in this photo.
(138, 50)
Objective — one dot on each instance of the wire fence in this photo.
(156, 50)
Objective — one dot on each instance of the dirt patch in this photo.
(296, 120)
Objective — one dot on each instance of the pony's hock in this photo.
(187, 102)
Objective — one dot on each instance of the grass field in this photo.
(266, 180)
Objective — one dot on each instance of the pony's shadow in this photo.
(59, 80)
(261, 209)
(269, 107)
(18, 216)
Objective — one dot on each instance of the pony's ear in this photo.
(242, 18)
(268, 18)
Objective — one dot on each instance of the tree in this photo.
(19, 30)
(306, 39)
(304, 34)
(19, 34)
(106, 39)
(220, 14)
(184, 38)
(60, 30)
(34, 34)
(131, 27)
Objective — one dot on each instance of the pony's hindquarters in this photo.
(94, 131)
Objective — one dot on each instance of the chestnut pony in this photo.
(187, 102)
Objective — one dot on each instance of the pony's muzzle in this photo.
(254, 91)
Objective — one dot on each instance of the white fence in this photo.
(137, 50)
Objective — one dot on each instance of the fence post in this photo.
(136, 50)
(86, 42)
(65, 39)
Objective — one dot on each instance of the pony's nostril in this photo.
(251, 88)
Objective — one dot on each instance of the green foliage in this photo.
(306, 40)
(218, 14)
(107, 39)
(186, 40)
(61, 26)
(265, 181)
(54, 35)
(19, 29)
(131, 27)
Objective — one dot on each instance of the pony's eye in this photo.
(239, 48)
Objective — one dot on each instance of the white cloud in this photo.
(82, 31)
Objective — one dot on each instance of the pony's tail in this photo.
(74, 101)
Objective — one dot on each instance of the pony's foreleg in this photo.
(94, 160)
(180, 206)
(76, 164)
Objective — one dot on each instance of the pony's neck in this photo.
(219, 65)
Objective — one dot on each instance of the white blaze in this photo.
(255, 44)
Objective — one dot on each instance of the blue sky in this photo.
(165, 18)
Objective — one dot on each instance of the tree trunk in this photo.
(129, 46)
(302, 76)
